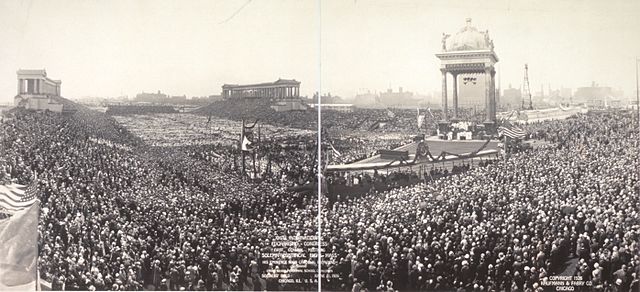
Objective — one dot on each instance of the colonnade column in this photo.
(487, 94)
(444, 96)
(493, 95)
(455, 95)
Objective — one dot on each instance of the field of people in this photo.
(120, 214)
(507, 226)
(187, 129)
(145, 202)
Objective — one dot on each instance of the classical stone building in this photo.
(280, 89)
(283, 93)
(38, 92)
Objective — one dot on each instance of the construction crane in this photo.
(526, 91)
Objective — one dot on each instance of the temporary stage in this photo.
(439, 150)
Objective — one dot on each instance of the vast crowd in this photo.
(570, 207)
(259, 109)
(387, 120)
(139, 109)
(119, 214)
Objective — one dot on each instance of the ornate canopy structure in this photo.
(468, 51)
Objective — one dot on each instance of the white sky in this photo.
(105, 48)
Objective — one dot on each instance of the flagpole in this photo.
(254, 162)
(242, 150)
(259, 147)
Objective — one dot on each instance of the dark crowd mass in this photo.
(139, 109)
(386, 120)
(118, 214)
(570, 207)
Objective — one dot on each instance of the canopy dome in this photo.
(468, 38)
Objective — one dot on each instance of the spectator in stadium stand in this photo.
(140, 109)
(506, 226)
(118, 215)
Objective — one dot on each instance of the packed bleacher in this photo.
(250, 109)
(568, 208)
(117, 214)
(140, 109)
(360, 119)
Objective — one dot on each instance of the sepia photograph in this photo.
(320, 145)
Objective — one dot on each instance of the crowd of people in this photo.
(117, 214)
(237, 109)
(344, 150)
(383, 120)
(345, 185)
(272, 162)
(140, 109)
(569, 208)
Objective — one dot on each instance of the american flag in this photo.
(391, 114)
(512, 132)
(16, 197)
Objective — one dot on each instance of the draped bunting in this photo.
(443, 154)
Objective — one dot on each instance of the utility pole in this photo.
(526, 90)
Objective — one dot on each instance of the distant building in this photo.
(284, 94)
(38, 92)
(178, 99)
(367, 100)
(337, 107)
(566, 93)
(596, 96)
(280, 89)
(158, 97)
(327, 98)
(390, 98)
(202, 100)
(511, 98)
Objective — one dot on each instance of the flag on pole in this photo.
(246, 136)
(391, 114)
(378, 124)
(19, 239)
(335, 150)
(246, 144)
(16, 197)
(513, 132)
(430, 113)
(420, 119)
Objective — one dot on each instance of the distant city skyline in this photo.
(191, 48)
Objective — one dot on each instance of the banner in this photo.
(19, 250)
